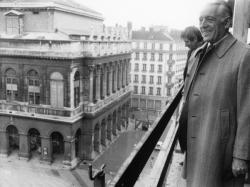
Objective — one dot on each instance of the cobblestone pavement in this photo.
(22, 173)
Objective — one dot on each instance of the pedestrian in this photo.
(216, 108)
(193, 40)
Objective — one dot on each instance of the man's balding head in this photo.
(215, 20)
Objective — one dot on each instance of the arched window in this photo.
(77, 89)
(56, 89)
(33, 87)
(11, 85)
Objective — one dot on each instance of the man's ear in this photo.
(228, 23)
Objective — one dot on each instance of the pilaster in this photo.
(104, 92)
(87, 143)
(98, 83)
(46, 154)
(24, 146)
(91, 83)
(4, 143)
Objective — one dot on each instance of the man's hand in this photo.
(239, 167)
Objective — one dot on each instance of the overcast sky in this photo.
(173, 13)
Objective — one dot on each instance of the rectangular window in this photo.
(8, 81)
(137, 45)
(150, 90)
(34, 98)
(158, 91)
(137, 56)
(168, 91)
(159, 68)
(31, 83)
(152, 67)
(169, 79)
(152, 57)
(144, 67)
(150, 104)
(153, 45)
(171, 47)
(143, 79)
(160, 57)
(136, 78)
(143, 90)
(161, 46)
(145, 45)
(135, 89)
(159, 80)
(136, 67)
(144, 56)
(151, 80)
(157, 105)
(12, 24)
(170, 56)
(11, 95)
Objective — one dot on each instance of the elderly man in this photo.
(216, 108)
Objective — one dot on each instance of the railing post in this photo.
(98, 177)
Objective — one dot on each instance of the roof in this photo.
(150, 35)
(37, 36)
(66, 5)
(13, 12)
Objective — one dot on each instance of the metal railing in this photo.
(129, 173)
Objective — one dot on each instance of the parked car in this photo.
(158, 145)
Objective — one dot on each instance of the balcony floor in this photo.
(174, 178)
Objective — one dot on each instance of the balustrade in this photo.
(63, 49)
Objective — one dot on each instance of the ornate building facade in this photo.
(64, 81)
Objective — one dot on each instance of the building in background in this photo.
(157, 64)
(64, 80)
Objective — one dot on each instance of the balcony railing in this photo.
(32, 110)
(25, 109)
(62, 49)
(102, 103)
(133, 166)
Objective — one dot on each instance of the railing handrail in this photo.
(128, 175)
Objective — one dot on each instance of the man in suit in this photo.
(216, 111)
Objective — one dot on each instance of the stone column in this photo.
(124, 115)
(4, 143)
(110, 80)
(114, 125)
(114, 78)
(123, 74)
(46, 149)
(103, 133)
(109, 129)
(87, 142)
(72, 90)
(98, 83)
(91, 82)
(69, 152)
(105, 77)
(118, 76)
(119, 120)
(24, 146)
(127, 72)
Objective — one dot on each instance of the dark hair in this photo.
(191, 33)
